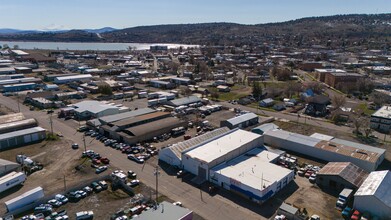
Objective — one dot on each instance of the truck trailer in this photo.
(11, 180)
(25, 199)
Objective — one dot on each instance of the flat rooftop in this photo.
(383, 112)
(350, 151)
(141, 118)
(223, 145)
(165, 211)
(253, 169)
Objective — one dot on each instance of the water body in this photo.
(86, 46)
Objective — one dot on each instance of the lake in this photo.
(86, 46)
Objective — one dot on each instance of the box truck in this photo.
(10, 180)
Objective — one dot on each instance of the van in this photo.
(85, 215)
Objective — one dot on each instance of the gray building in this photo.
(184, 101)
(166, 211)
(241, 121)
(118, 117)
(340, 175)
(21, 137)
(334, 150)
(17, 125)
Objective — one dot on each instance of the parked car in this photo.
(97, 188)
(132, 174)
(81, 193)
(74, 197)
(103, 184)
(75, 146)
(55, 203)
(177, 203)
(312, 178)
(136, 159)
(180, 173)
(88, 190)
(134, 183)
(104, 160)
(100, 169)
(63, 199)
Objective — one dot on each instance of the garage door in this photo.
(27, 138)
(201, 173)
(35, 137)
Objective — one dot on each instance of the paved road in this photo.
(216, 207)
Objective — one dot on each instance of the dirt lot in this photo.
(56, 168)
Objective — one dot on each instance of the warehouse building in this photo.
(149, 130)
(7, 70)
(17, 125)
(264, 127)
(118, 117)
(94, 109)
(252, 175)
(11, 117)
(19, 81)
(374, 195)
(162, 84)
(173, 154)
(185, 101)
(340, 175)
(201, 159)
(334, 150)
(7, 167)
(19, 87)
(112, 129)
(381, 119)
(74, 78)
(21, 137)
(166, 211)
(241, 121)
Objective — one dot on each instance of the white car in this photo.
(177, 203)
(54, 203)
(61, 198)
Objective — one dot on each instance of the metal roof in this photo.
(377, 184)
(11, 117)
(185, 101)
(141, 118)
(152, 126)
(165, 211)
(242, 118)
(288, 208)
(359, 146)
(322, 136)
(73, 77)
(346, 170)
(180, 147)
(21, 132)
(223, 145)
(6, 127)
(383, 112)
(253, 169)
(266, 127)
(125, 115)
(92, 106)
(293, 137)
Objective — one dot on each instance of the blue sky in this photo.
(73, 14)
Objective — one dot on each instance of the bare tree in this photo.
(316, 87)
(338, 101)
(359, 121)
(292, 88)
(185, 91)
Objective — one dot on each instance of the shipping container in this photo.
(10, 180)
(25, 199)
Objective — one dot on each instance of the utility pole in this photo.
(65, 184)
(18, 102)
(51, 123)
(156, 173)
(84, 142)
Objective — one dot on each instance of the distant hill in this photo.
(330, 31)
(11, 31)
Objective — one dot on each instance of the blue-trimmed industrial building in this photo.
(19, 87)
(21, 137)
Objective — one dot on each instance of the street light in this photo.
(157, 173)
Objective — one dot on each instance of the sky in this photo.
(82, 14)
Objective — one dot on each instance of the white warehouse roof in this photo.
(253, 169)
(242, 118)
(222, 146)
(377, 184)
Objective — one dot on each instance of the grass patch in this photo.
(364, 108)
(52, 137)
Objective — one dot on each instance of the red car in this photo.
(104, 160)
(308, 174)
(96, 161)
(356, 215)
